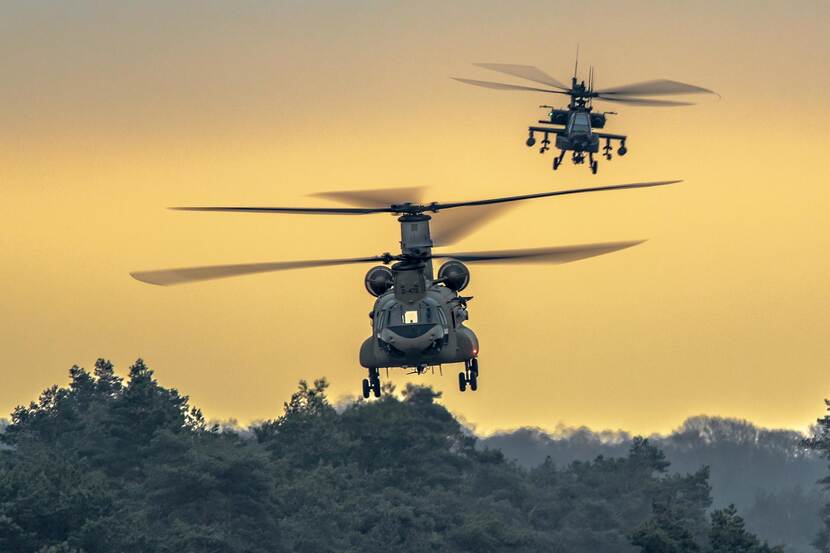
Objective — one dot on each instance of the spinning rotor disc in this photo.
(388, 201)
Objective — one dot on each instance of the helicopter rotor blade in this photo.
(295, 210)
(554, 255)
(528, 72)
(642, 101)
(440, 206)
(376, 198)
(433, 207)
(505, 86)
(658, 87)
(451, 226)
(168, 277)
(445, 229)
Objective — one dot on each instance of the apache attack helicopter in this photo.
(418, 318)
(579, 119)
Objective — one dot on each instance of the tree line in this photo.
(108, 464)
(770, 475)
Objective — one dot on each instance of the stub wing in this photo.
(610, 136)
(547, 130)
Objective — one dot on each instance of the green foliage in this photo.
(105, 465)
(671, 531)
(821, 442)
(665, 532)
(768, 474)
(728, 535)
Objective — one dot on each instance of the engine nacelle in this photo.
(597, 120)
(456, 275)
(379, 280)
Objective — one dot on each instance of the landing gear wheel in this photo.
(594, 167)
(556, 163)
(469, 376)
(473, 380)
(473, 377)
(371, 385)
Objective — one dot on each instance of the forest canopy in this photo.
(769, 475)
(109, 464)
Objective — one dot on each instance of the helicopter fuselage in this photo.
(576, 135)
(419, 331)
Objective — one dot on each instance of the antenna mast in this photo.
(590, 85)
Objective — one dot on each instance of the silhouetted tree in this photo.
(729, 535)
(761, 471)
(820, 441)
(104, 465)
(665, 532)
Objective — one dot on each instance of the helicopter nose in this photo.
(412, 338)
(411, 330)
(582, 142)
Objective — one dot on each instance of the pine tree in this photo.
(665, 532)
(728, 534)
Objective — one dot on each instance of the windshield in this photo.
(581, 122)
(394, 314)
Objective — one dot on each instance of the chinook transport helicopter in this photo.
(418, 319)
(578, 120)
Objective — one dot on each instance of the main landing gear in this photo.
(371, 385)
(557, 161)
(469, 376)
(593, 163)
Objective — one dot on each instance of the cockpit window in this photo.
(581, 122)
(380, 320)
(410, 317)
(443, 319)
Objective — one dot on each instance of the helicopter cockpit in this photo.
(411, 328)
(580, 123)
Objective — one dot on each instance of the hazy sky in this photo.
(109, 112)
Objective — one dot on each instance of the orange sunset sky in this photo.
(110, 112)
